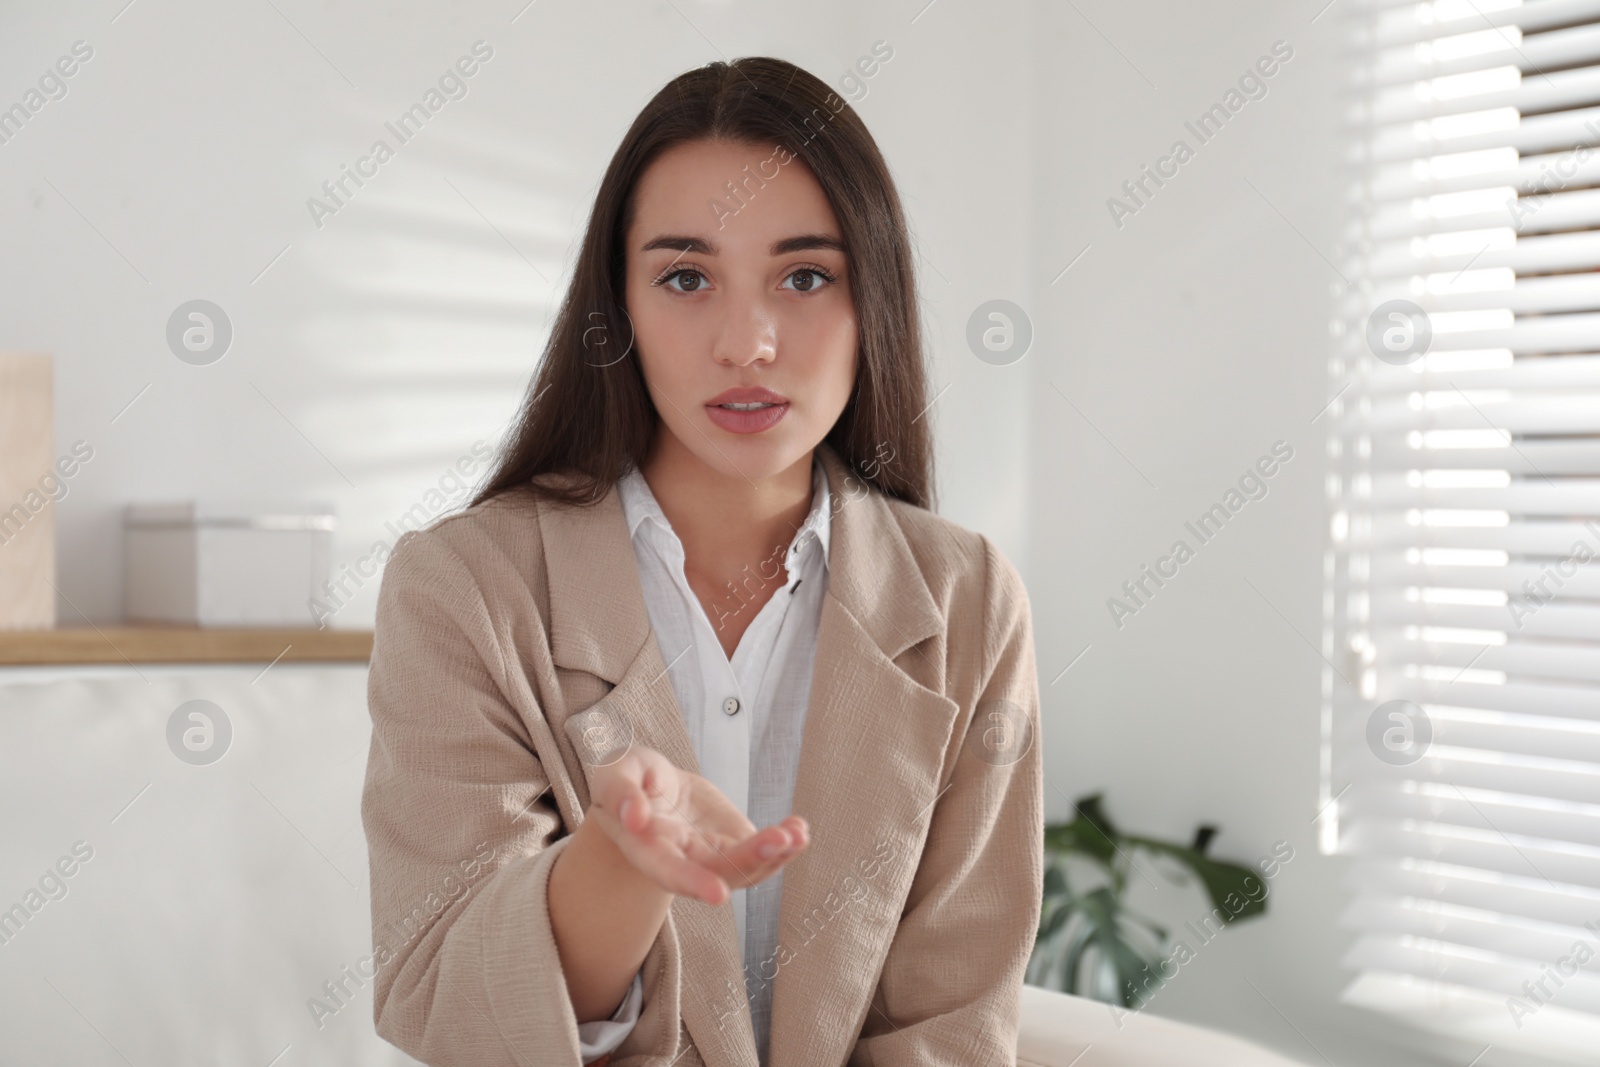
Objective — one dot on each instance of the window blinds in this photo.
(1461, 713)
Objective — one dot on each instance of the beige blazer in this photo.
(513, 645)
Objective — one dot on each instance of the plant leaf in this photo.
(1155, 928)
(1089, 833)
(1055, 881)
(1109, 928)
(1227, 884)
(1059, 914)
(1073, 957)
(1130, 965)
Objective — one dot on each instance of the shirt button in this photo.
(731, 706)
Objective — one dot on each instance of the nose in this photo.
(748, 335)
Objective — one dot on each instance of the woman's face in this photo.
(727, 292)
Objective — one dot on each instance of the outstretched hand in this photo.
(683, 833)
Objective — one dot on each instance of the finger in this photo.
(609, 823)
(791, 834)
(616, 789)
(735, 863)
(624, 838)
(637, 793)
(656, 788)
(709, 807)
(657, 854)
(770, 842)
(743, 863)
(799, 831)
(790, 840)
(662, 861)
(712, 890)
(641, 814)
(621, 808)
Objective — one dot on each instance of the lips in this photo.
(748, 394)
(773, 407)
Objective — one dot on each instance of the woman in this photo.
(698, 738)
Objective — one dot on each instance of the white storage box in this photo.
(192, 564)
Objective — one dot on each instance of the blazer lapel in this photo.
(871, 755)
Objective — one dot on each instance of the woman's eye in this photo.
(687, 275)
(808, 279)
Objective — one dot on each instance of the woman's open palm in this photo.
(683, 832)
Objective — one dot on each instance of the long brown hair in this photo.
(587, 410)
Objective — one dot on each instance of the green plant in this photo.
(1090, 942)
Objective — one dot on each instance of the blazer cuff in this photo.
(526, 988)
(597, 1038)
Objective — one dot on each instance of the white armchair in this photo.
(1057, 1028)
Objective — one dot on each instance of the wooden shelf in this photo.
(176, 644)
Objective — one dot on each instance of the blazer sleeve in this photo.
(950, 989)
(462, 831)
(603, 1035)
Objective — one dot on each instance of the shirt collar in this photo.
(639, 504)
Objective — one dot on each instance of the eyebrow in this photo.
(801, 243)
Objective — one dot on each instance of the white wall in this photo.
(378, 347)
(386, 341)
(1189, 340)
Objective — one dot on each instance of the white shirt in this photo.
(744, 716)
